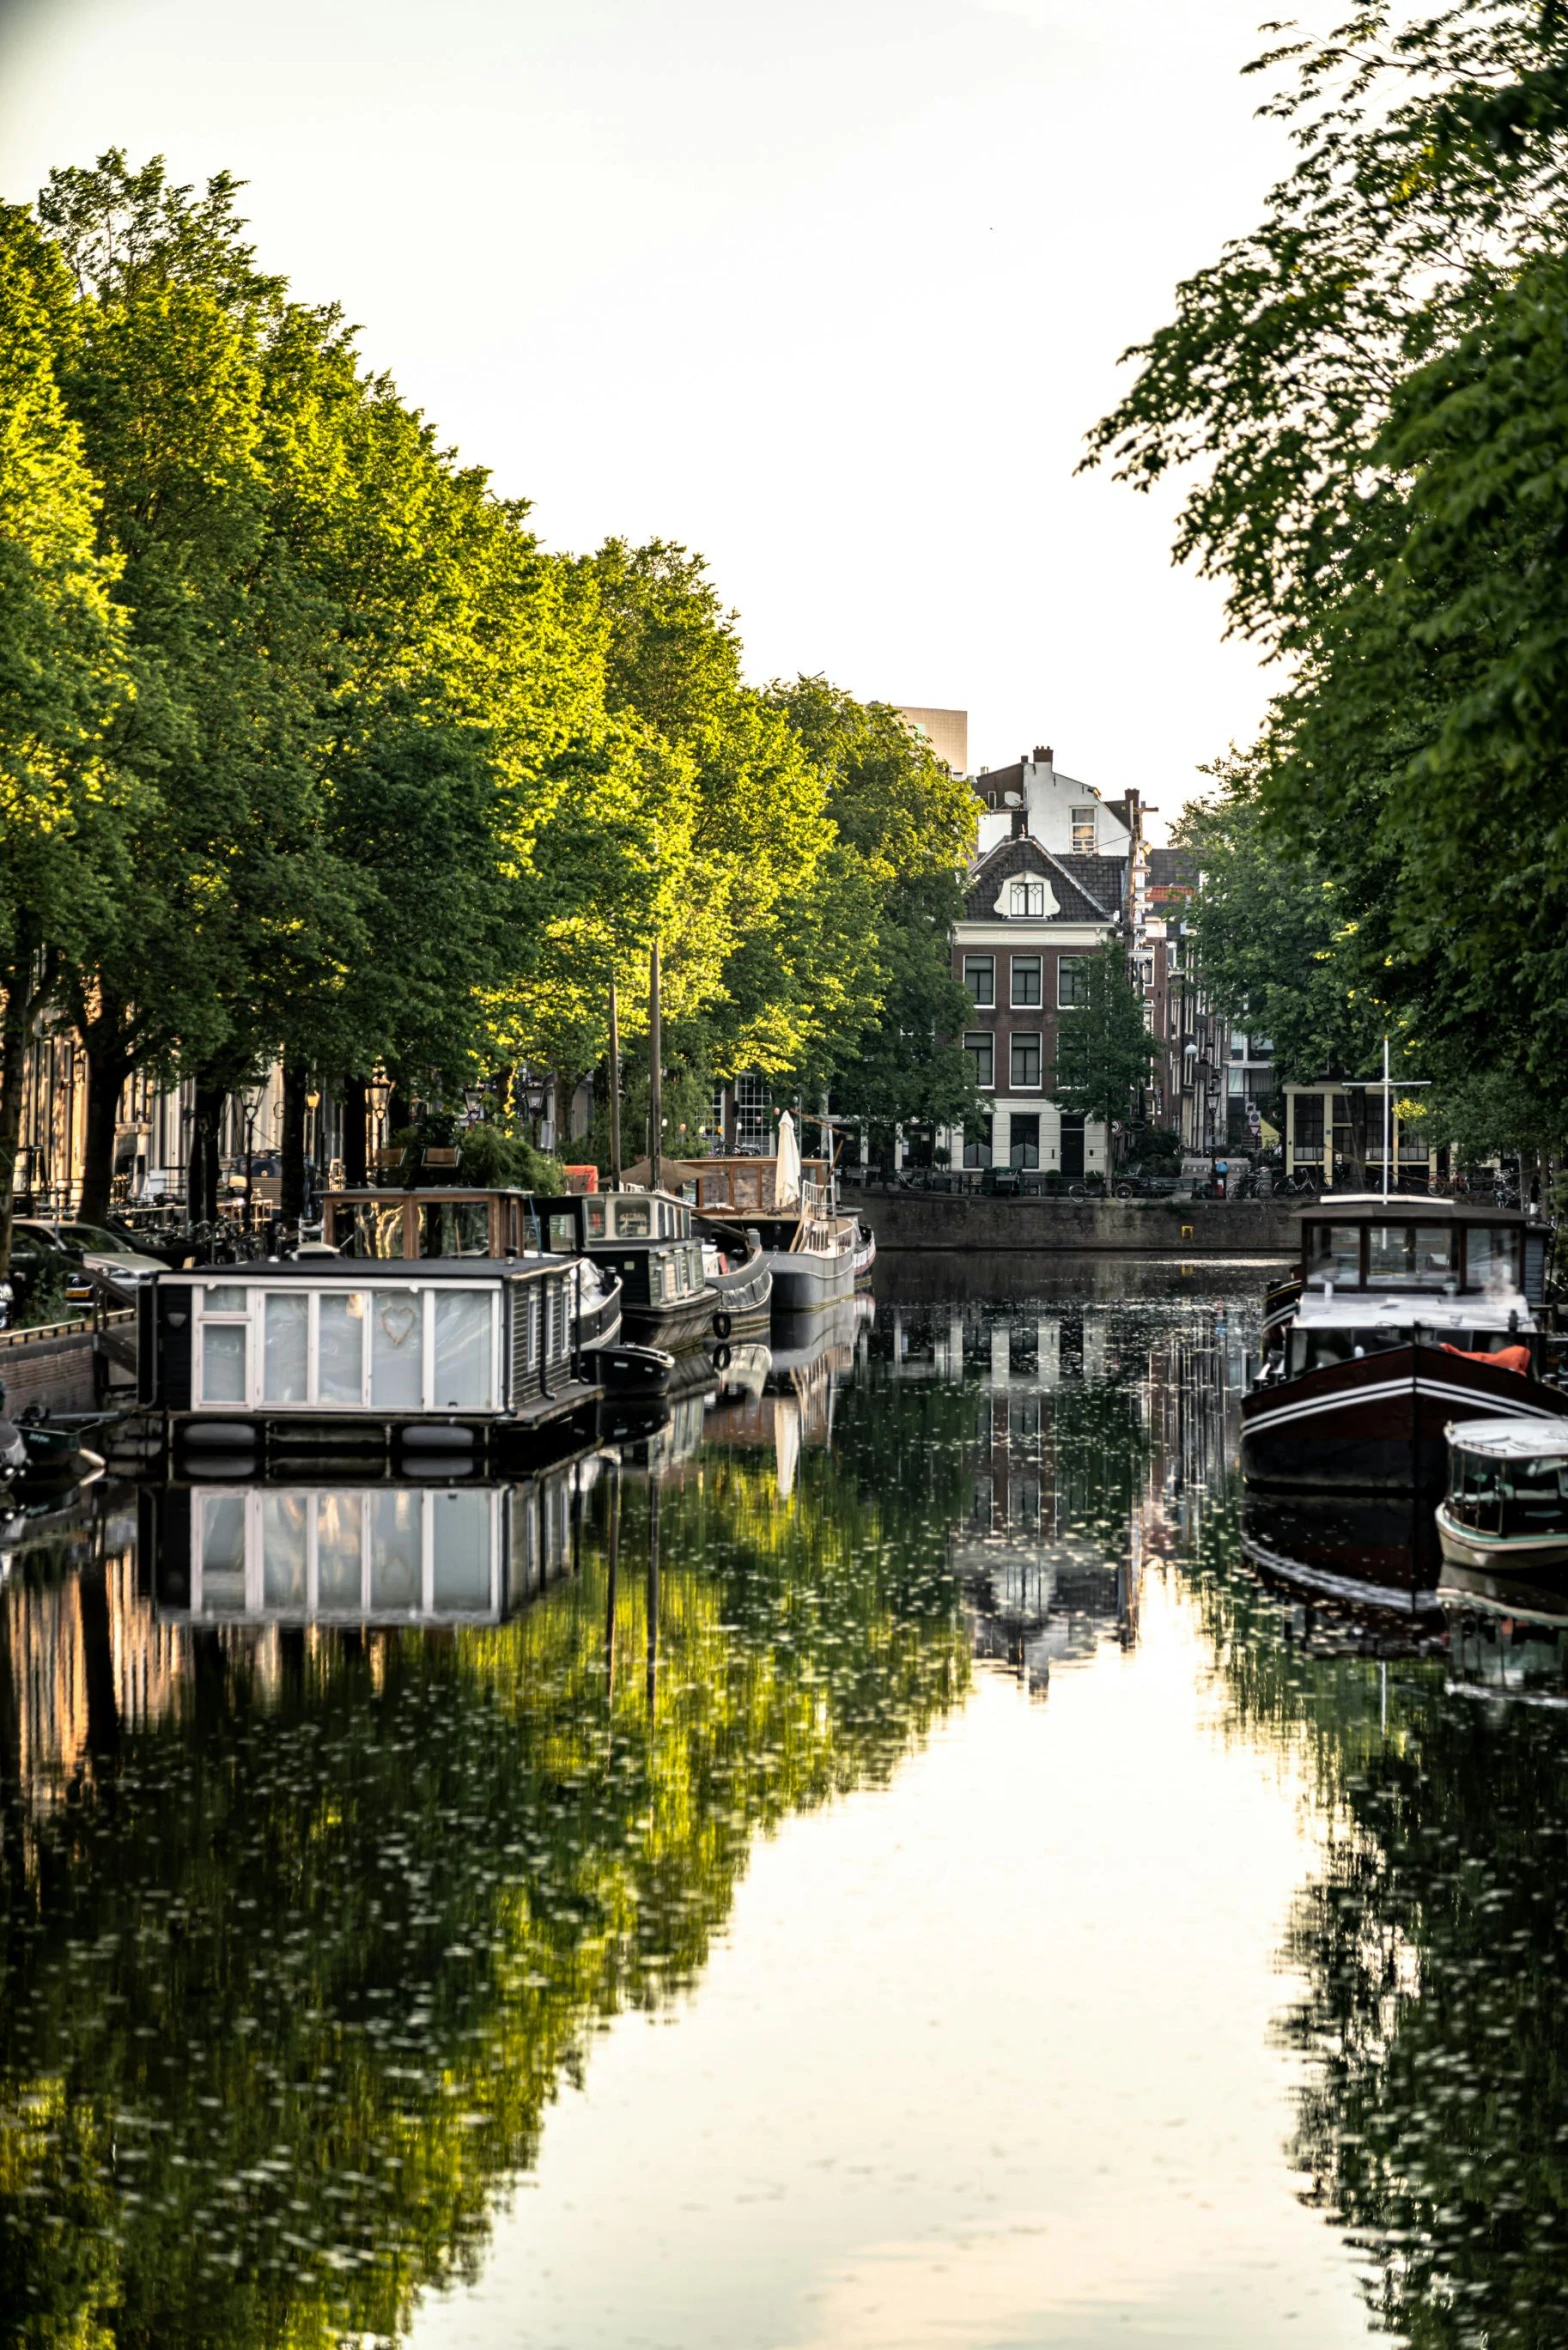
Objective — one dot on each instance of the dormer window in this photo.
(1083, 832)
(1027, 897)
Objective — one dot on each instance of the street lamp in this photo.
(380, 1092)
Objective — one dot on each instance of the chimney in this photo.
(1044, 756)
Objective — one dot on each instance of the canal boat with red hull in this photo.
(1403, 1315)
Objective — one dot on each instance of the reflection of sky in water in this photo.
(983, 1914)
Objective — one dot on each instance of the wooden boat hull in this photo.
(1376, 1425)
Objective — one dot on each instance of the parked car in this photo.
(101, 1251)
(38, 1257)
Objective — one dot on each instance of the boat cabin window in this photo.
(1535, 1496)
(454, 1228)
(1313, 1350)
(1491, 1257)
(632, 1220)
(563, 1232)
(1335, 1255)
(1475, 1491)
(595, 1211)
(1419, 1256)
(368, 1228)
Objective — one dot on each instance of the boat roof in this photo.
(362, 1271)
(1361, 1309)
(1406, 1207)
(1511, 1440)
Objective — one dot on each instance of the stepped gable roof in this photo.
(1086, 889)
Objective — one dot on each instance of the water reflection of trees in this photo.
(1432, 1943)
(293, 1974)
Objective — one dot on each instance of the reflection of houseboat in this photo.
(1507, 1636)
(460, 1353)
(1506, 1508)
(297, 1554)
(1409, 1312)
(1371, 1552)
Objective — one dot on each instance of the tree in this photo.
(1369, 388)
(1103, 1049)
(62, 670)
(905, 824)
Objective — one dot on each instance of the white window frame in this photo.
(1016, 1084)
(988, 1004)
(1082, 820)
(986, 1036)
(253, 1498)
(1063, 963)
(1033, 895)
(1016, 1002)
(252, 1318)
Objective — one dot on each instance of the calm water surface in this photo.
(871, 1867)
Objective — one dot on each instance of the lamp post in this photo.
(313, 1139)
(380, 1092)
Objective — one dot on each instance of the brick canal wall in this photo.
(71, 1368)
(935, 1222)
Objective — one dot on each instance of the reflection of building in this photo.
(1081, 1472)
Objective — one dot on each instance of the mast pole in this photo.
(655, 1074)
(1387, 1111)
(615, 1088)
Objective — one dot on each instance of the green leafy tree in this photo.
(62, 671)
(1104, 1052)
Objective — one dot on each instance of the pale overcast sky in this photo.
(830, 290)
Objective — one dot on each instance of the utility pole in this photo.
(615, 1089)
(655, 1075)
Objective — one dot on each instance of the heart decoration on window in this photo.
(398, 1321)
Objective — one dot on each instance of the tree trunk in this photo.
(295, 1082)
(22, 996)
(108, 1066)
(201, 1181)
(356, 1117)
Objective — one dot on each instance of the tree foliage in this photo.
(1103, 1049)
(308, 748)
(1371, 392)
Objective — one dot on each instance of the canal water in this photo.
(889, 1860)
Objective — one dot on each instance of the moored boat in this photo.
(1506, 1508)
(1410, 1313)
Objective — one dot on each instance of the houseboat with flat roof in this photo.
(463, 1355)
(681, 1279)
(1402, 1315)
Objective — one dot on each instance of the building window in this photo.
(981, 1049)
(752, 1134)
(1026, 1059)
(1083, 832)
(1028, 898)
(977, 1147)
(1238, 1045)
(1238, 1080)
(1072, 980)
(1023, 1140)
(980, 979)
(1026, 979)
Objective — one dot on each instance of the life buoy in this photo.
(721, 1358)
(722, 1325)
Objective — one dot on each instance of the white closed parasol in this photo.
(786, 1174)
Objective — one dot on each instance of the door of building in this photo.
(1072, 1142)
